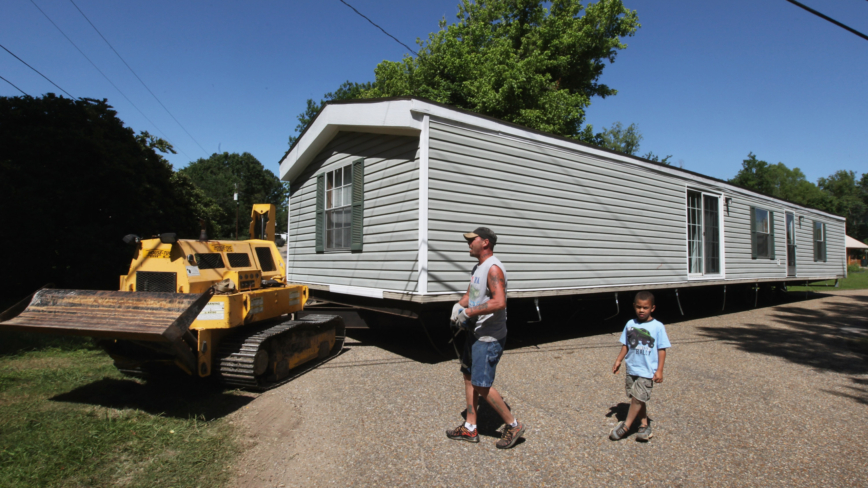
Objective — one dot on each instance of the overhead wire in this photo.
(103, 74)
(378, 27)
(13, 84)
(825, 17)
(34, 69)
(137, 77)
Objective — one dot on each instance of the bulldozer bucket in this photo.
(136, 316)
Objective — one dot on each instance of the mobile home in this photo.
(381, 191)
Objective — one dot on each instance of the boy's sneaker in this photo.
(644, 434)
(619, 432)
(461, 433)
(510, 436)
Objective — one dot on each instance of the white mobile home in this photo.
(383, 189)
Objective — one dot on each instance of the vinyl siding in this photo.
(563, 220)
(739, 263)
(389, 260)
(835, 247)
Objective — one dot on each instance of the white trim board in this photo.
(422, 286)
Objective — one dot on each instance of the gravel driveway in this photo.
(772, 396)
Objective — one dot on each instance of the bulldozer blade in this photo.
(140, 316)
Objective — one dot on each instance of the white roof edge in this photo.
(395, 114)
(851, 243)
(399, 114)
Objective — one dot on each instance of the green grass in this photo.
(68, 418)
(853, 281)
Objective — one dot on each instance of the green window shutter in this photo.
(825, 242)
(358, 212)
(753, 233)
(771, 234)
(320, 212)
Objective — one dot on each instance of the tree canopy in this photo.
(73, 182)
(217, 177)
(515, 60)
(841, 193)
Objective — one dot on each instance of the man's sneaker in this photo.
(510, 436)
(644, 434)
(619, 432)
(461, 433)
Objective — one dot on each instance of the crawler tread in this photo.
(233, 364)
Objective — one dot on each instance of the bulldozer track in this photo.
(234, 364)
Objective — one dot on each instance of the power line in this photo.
(34, 69)
(103, 74)
(19, 89)
(818, 14)
(378, 27)
(137, 76)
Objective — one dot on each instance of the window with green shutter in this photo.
(819, 242)
(340, 208)
(762, 233)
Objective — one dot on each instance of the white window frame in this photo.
(767, 232)
(338, 202)
(721, 217)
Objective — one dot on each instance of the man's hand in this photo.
(658, 376)
(465, 321)
(616, 366)
(456, 309)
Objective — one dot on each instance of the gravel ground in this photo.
(772, 396)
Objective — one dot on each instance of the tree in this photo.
(777, 180)
(516, 60)
(73, 182)
(848, 200)
(218, 175)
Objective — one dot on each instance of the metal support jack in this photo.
(538, 314)
(756, 295)
(724, 299)
(678, 299)
(617, 308)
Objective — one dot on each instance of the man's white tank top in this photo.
(490, 327)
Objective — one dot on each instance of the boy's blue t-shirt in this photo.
(642, 341)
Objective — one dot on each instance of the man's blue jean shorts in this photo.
(481, 359)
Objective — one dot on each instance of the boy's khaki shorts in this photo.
(639, 387)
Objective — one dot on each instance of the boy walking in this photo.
(644, 344)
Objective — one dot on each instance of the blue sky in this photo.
(706, 82)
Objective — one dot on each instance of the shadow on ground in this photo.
(812, 337)
(172, 398)
(563, 318)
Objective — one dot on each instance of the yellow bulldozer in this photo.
(209, 307)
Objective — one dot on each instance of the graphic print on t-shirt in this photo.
(640, 340)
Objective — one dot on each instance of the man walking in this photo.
(482, 313)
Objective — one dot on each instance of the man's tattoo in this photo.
(478, 308)
(470, 408)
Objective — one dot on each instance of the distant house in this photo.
(381, 191)
(855, 251)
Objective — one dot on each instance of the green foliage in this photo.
(68, 419)
(516, 60)
(849, 199)
(779, 181)
(347, 91)
(73, 182)
(217, 177)
(841, 193)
